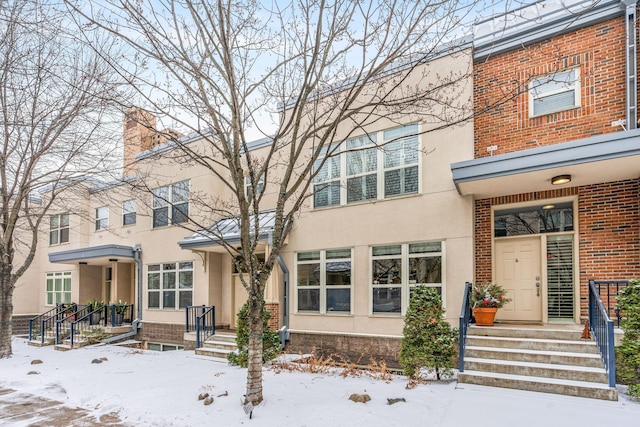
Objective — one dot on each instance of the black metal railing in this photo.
(201, 320)
(66, 317)
(602, 327)
(38, 325)
(609, 291)
(465, 318)
(85, 324)
(119, 314)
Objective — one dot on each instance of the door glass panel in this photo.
(560, 276)
(533, 220)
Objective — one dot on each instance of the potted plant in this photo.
(94, 306)
(69, 311)
(120, 309)
(486, 299)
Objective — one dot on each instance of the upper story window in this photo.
(129, 212)
(102, 218)
(397, 269)
(58, 229)
(554, 92)
(171, 204)
(376, 166)
(324, 281)
(248, 191)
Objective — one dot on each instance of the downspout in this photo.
(283, 332)
(631, 63)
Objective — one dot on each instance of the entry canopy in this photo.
(228, 230)
(97, 255)
(594, 160)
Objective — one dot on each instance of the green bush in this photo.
(429, 341)
(628, 354)
(270, 339)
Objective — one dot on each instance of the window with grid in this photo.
(397, 269)
(554, 92)
(170, 285)
(58, 229)
(248, 190)
(102, 218)
(58, 288)
(365, 169)
(171, 204)
(129, 212)
(324, 281)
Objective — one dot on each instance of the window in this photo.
(554, 92)
(58, 288)
(155, 346)
(170, 285)
(129, 212)
(248, 191)
(171, 204)
(549, 218)
(397, 269)
(324, 281)
(102, 218)
(58, 229)
(365, 171)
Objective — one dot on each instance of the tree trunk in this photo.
(6, 312)
(254, 371)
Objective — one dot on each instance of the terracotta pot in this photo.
(484, 315)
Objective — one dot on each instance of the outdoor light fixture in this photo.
(561, 179)
(547, 207)
(82, 263)
(113, 260)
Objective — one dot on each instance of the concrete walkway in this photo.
(22, 409)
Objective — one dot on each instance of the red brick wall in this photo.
(500, 87)
(274, 309)
(162, 332)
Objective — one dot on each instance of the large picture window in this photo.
(554, 92)
(324, 281)
(58, 288)
(375, 166)
(397, 269)
(171, 204)
(170, 285)
(58, 229)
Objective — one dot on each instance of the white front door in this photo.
(518, 271)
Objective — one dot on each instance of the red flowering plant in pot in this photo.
(486, 299)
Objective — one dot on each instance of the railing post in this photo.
(186, 325)
(42, 331)
(611, 359)
(71, 328)
(197, 334)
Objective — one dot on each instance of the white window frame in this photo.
(407, 134)
(129, 212)
(59, 230)
(102, 218)
(259, 185)
(323, 287)
(58, 288)
(536, 90)
(165, 285)
(167, 198)
(405, 284)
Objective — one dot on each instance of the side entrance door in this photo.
(518, 271)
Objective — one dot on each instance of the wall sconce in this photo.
(547, 207)
(113, 259)
(561, 179)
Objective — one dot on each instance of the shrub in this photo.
(429, 341)
(628, 354)
(270, 339)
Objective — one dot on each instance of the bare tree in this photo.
(318, 67)
(55, 94)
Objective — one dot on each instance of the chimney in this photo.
(139, 132)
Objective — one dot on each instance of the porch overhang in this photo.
(98, 255)
(227, 231)
(594, 160)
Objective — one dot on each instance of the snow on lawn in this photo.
(148, 388)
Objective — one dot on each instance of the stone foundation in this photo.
(166, 333)
(20, 323)
(358, 349)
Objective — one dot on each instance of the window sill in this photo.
(329, 313)
(368, 202)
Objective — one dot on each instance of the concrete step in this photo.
(213, 352)
(229, 337)
(542, 370)
(223, 345)
(38, 343)
(62, 347)
(568, 332)
(581, 346)
(592, 390)
(537, 356)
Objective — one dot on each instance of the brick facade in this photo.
(20, 324)
(501, 85)
(274, 309)
(161, 332)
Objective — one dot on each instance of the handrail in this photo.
(84, 322)
(611, 310)
(42, 318)
(465, 318)
(602, 328)
(201, 320)
(119, 314)
(67, 317)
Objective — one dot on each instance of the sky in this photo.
(148, 388)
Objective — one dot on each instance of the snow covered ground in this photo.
(147, 388)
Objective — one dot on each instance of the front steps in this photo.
(218, 345)
(544, 359)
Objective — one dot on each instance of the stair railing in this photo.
(602, 327)
(85, 321)
(201, 320)
(38, 324)
(609, 291)
(465, 318)
(65, 318)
